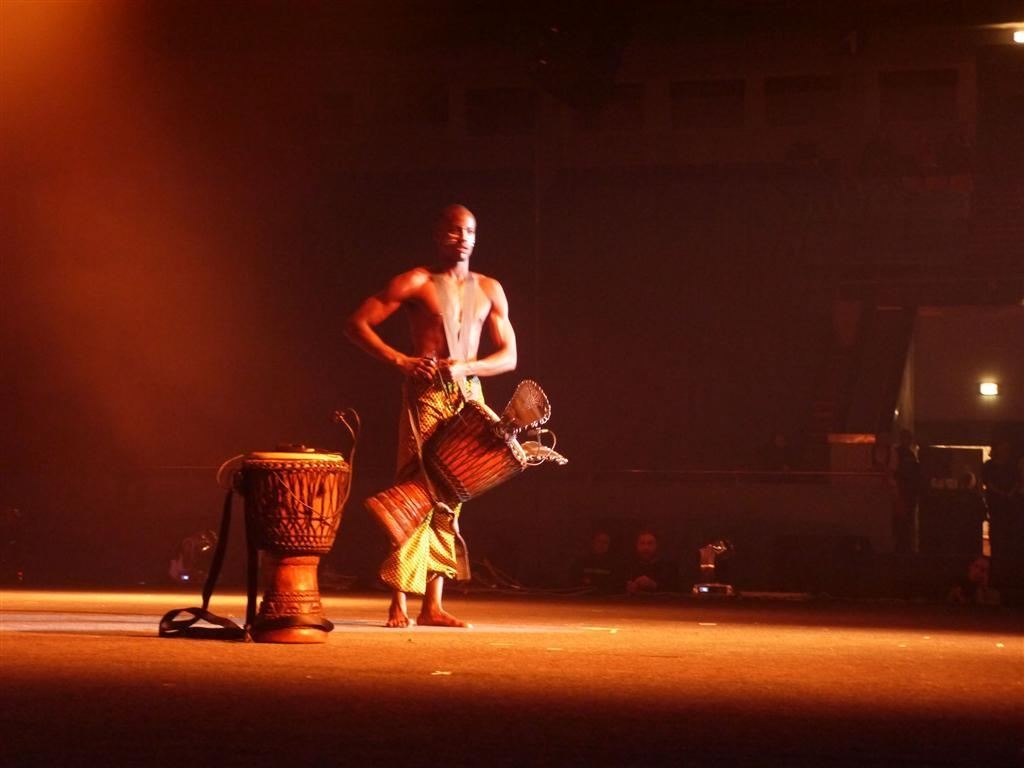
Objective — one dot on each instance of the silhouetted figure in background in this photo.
(975, 589)
(970, 512)
(905, 478)
(646, 571)
(598, 569)
(1006, 515)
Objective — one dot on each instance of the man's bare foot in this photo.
(397, 615)
(440, 618)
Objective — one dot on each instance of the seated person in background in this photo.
(646, 571)
(598, 569)
(974, 589)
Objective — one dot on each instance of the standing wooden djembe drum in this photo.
(294, 498)
(293, 506)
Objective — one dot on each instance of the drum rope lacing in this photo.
(342, 417)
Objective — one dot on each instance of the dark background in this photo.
(197, 194)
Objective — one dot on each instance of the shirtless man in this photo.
(448, 307)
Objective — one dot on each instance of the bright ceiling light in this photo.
(988, 388)
(1018, 36)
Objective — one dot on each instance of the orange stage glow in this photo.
(127, 299)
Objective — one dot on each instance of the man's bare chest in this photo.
(429, 306)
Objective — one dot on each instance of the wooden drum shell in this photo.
(293, 507)
(465, 457)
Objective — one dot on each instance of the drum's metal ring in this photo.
(224, 466)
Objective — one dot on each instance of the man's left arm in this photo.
(502, 336)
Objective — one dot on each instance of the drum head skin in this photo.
(283, 456)
(528, 408)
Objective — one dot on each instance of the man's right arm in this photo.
(360, 327)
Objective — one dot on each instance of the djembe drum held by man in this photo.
(448, 307)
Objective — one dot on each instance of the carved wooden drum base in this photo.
(290, 611)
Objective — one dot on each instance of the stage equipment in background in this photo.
(710, 555)
(294, 499)
(467, 455)
(192, 561)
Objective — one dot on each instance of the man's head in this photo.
(600, 543)
(455, 234)
(978, 571)
(646, 545)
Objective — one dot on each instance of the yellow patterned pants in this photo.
(435, 547)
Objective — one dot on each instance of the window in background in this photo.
(708, 104)
(920, 94)
(802, 100)
(500, 111)
(417, 104)
(622, 110)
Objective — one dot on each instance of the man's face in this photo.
(978, 572)
(456, 236)
(646, 546)
(600, 544)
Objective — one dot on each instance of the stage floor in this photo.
(537, 681)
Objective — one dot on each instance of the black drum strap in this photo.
(224, 628)
(252, 573)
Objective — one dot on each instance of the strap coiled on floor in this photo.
(224, 628)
